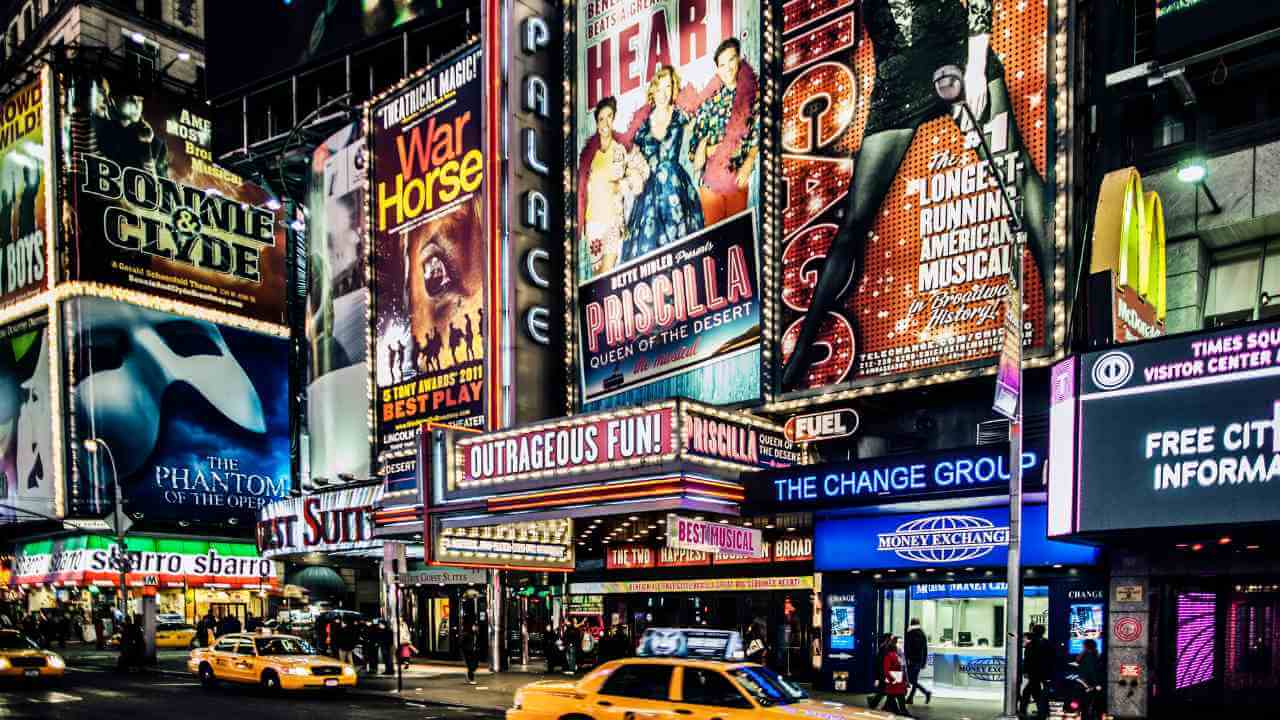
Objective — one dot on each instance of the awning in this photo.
(319, 580)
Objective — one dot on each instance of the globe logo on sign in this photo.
(987, 669)
(944, 539)
(1112, 370)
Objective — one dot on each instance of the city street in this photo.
(94, 691)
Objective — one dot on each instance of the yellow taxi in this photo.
(169, 636)
(682, 674)
(21, 658)
(275, 662)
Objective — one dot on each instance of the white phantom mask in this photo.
(130, 356)
(35, 432)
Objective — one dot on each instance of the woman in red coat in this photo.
(894, 679)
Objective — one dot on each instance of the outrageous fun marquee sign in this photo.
(153, 213)
(895, 242)
(1170, 433)
(429, 257)
(666, 109)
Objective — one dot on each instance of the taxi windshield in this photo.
(767, 687)
(282, 646)
(15, 641)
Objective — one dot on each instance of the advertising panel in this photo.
(737, 584)
(898, 264)
(636, 557)
(23, 217)
(1127, 283)
(191, 416)
(738, 439)
(667, 117)
(1178, 432)
(705, 536)
(150, 211)
(337, 307)
(330, 521)
(429, 257)
(541, 545)
(93, 560)
(981, 470)
(973, 537)
(551, 453)
(26, 425)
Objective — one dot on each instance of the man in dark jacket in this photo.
(230, 624)
(1037, 665)
(471, 646)
(917, 651)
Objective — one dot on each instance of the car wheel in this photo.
(207, 678)
(270, 681)
(576, 717)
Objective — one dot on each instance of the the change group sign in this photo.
(1180, 432)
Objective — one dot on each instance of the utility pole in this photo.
(948, 82)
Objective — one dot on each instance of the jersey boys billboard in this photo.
(151, 212)
(666, 151)
(895, 248)
(429, 257)
(23, 223)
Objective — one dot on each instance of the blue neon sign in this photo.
(965, 471)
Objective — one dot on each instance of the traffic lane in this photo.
(106, 695)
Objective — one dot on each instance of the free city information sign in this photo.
(1175, 433)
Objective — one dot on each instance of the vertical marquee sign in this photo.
(908, 275)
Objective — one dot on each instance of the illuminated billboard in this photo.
(667, 116)
(430, 257)
(337, 307)
(148, 210)
(1177, 432)
(192, 417)
(895, 246)
(24, 224)
(27, 476)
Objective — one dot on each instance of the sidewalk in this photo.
(436, 683)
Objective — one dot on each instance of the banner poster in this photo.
(26, 427)
(429, 258)
(668, 103)
(337, 307)
(151, 212)
(193, 417)
(23, 223)
(908, 273)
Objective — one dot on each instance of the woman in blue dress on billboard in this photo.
(668, 207)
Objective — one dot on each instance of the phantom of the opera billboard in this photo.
(148, 210)
(26, 425)
(429, 258)
(192, 417)
(337, 307)
(23, 219)
(895, 245)
(668, 104)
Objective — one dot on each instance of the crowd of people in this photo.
(363, 643)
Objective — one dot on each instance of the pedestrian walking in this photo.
(917, 652)
(877, 695)
(1091, 672)
(471, 650)
(367, 635)
(346, 639)
(1037, 665)
(386, 641)
(229, 624)
(894, 683)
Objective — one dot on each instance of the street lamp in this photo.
(948, 83)
(1194, 171)
(92, 445)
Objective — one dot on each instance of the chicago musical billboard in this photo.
(896, 247)
(149, 210)
(429, 257)
(667, 116)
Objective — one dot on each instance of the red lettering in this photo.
(659, 44)
(599, 71)
(628, 80)
(315, 530)
(693, 30)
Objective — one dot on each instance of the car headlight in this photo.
(56, 662)
(348, 670)
(4, 663)
(517, 702)
(298, 671)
